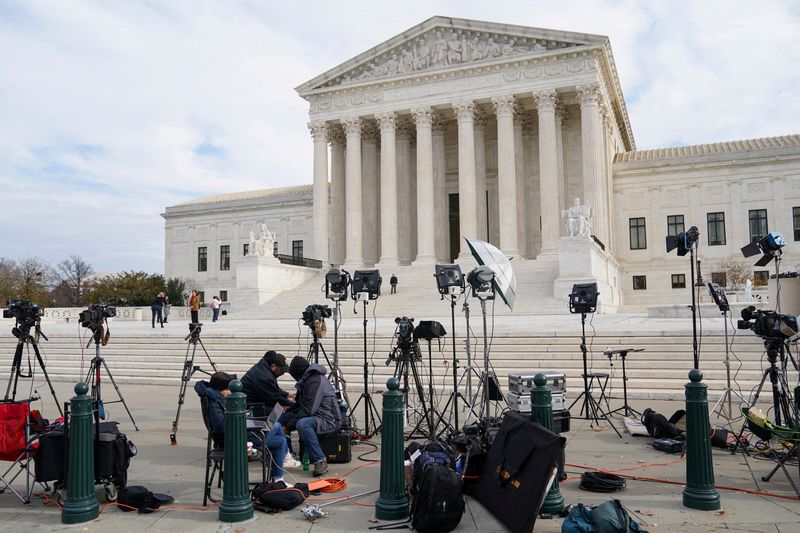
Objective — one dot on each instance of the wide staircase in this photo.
(417, 293)
(659, 372)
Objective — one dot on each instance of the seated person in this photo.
(215, 390)
(260, 384)
(316, 411)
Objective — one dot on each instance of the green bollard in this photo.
(81, 504)
(236, 502)
(393, 501)
(542, 411)
(700, 492)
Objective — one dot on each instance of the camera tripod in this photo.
(372, 417)
(784, 408)
(22, 332)
(189, 368)
(407, 355)
(94, 372)
(729, 392)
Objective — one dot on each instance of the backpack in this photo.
(138, 498)
(438, 501)
(275, 497)
(659, 427)
(608, 517)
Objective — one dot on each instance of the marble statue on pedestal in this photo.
(748, 291)
(577, 219)
(267, 241)
(253, 247)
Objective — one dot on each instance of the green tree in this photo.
(175, 289)
(127, 288)
(7, 280)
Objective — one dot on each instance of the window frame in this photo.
(757, 219)
(678, 281)
(202, 258)
(643, 279)
(717, 222)
(297, 245)
(641, 233)
(223, 296)
(245, 249)
(225, 257)
(675, 228)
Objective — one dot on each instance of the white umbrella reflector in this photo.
(504, 280)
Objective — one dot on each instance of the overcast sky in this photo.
(111, 111)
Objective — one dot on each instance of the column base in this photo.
(515, 254)
(424, 260)
(391, 509)
(701, 499)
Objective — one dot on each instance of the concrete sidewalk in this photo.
(179, 471)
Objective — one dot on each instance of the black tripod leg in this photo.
(119, 393)
(744, 424)
(46, 377)
(203, 346)
(186, 375)
(14, 377)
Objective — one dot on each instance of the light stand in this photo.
(450, 282)
(583, 300)
(337, 283)
(189, 368)
(366, 285)
(686, 242)
(718, 294)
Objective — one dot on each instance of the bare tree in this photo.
(33, 275)
(736, 272)
(75, 273)
(8, 279)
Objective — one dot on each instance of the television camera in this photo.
(314, 317)
(95, 314)
(406, 347)
(769, 325)
(26, 314)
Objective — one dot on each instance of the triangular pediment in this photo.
(443, 43)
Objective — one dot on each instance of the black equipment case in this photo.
(336, 446)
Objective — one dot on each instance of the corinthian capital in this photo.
(480, 119)
(351, 125)
(589, 94)
(336, 135)
(438, 123)
(319, 130)
(386, 121)
(369, 131)
(464, 110)
(405, 128)
(504, 105)
(423, 117)
(546, 100)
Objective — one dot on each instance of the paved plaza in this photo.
(179, 471)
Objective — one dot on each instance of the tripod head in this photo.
(26, 315)
(194, 332)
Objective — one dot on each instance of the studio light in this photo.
(449, 279)
(686, 242)
(481, 279)
(337, 281)
(770, 246)
(366, 285)
(683, 241)
(583, 298)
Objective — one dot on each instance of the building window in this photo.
(275, 248)
(245, 249)
(225, 257)
(202, 295)
(674, 225)
(223, 296)
(796, 222)
(758, 224)
(297, 248)
(716, 229)
(202, 259)
(679, 281)
(720, 278)
(639, 283)
(638, 234)
(761, 278)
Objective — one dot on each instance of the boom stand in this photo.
(94, 370)
(189, 368)
(727, 394)
(16, 365)
(482, 393)
(371, 415)
(594, 411)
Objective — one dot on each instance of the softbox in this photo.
(518, 467)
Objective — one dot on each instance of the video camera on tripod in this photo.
(314, 317)
(26, 314)
(95, 314)
(407, 347)
(194, 331)
(769, 325)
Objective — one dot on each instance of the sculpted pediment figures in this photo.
(445, 47)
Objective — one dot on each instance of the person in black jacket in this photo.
(316, 411)
(260, 384)
(156, 308)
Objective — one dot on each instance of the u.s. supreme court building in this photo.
(467, 128)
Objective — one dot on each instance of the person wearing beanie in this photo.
(316, 411)
(260, 384)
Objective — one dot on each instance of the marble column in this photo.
(441, 206)
(548, 171)
(522, 178)
(389, 254)
(467, 196)
(426, 250)
(319, 221)
(592, 153)
(531, 219)
(370, 191)
(336, 215)
(561, 118)
(404, 191)
(507, 175)
(480, 174)
(354, 247)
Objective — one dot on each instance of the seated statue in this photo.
(577, 219)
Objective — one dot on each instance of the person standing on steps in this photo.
(393, 283)
(215, 308)
(157, 308)
(194, 306)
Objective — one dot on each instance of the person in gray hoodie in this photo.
(316, 410)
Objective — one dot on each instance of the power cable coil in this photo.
(601, 482)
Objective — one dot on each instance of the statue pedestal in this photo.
(580, 260)
(261, 278)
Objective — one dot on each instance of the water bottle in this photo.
(306, 462)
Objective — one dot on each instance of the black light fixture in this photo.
(366, 285)
(683, 241)
(481, 279)
(449, 279)
(770, 246)
(686, 242)
(583, 298)
(337, 281)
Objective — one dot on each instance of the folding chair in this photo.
(16, 446)
(788, 438)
